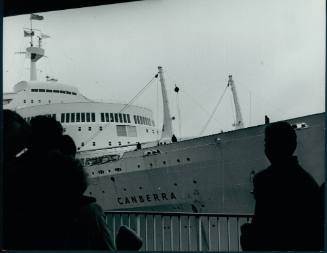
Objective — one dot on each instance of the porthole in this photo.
(108, 171)
(151, 164)
(140, 187)
(90, 193)
(138, 166)
(175, 184)
(24, 101)
(178, 160)
(92, 173)
(112, 179)
(188, 159)
(109, 143)
(164, 162)
(90, 128)
(194, 181)
(125, 189)
(79, 129)
(147, 130)
(39, 101)
(102, 191)
(93, 143)
(119, 143)
(82, 144)
(100, 128)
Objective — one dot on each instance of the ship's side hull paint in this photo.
(207, 174)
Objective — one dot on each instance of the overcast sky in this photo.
(275, 51)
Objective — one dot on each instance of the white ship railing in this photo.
(180, 231)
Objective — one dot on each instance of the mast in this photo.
(35, 53)
(239, 120)
(167, 128)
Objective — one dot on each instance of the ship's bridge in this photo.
(32, 93)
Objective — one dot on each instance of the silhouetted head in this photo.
(67, 146)
(16, 134)
(46, 133)
(280, 141)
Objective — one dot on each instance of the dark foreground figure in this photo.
(287, 209)
(44, 205)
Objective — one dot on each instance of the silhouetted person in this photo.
(46, 134)
(44, 192)
(267, 120)
(138, 146)
(286, 212)
(173, 138)
(67, 146)
(16, 136)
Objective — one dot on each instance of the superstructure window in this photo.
(112, 117)
(67, 117)
(121, 130)
(68, 92)
(56, 91)
(24, 101)
(33, 90)
(54, 116)
(116, 117)
(120, 117)
(72, 117)
(87, 117)
(62, 91)
(125, 118)
(62, 118)
(134, 119)
(74, 93)
(32, 101)
(102, 117)
(128, 119)
(48, 90)
(83, 116)
(41, 90)
(131, 131)
(93, 116)
(107, 117)
(78, 117)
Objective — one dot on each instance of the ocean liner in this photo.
(133, 164)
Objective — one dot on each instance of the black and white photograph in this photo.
(165, 125)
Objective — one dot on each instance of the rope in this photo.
(138, 94)
(131, 101)
(219, 101)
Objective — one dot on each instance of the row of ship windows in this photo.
(105, 117)
(139, 166)
(122, 117)
(54, 91)
(28, 119)
(32, 101)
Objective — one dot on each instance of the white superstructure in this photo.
(93, 125)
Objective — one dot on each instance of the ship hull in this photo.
(207, 174)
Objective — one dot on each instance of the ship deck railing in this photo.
(181, 231)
